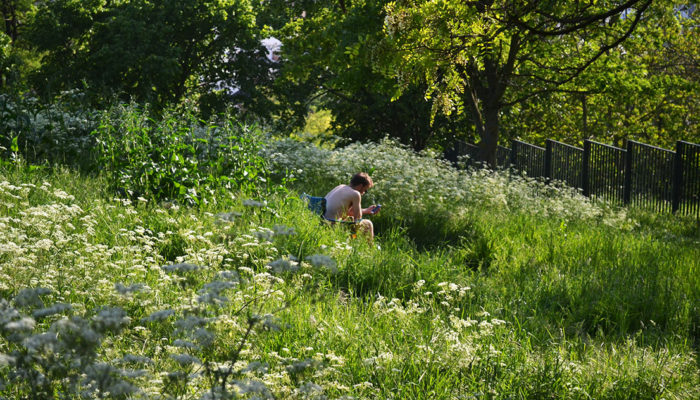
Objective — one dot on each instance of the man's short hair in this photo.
(361, 179)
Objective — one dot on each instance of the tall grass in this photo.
(484, 286)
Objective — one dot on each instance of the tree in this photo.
(328, 61)
(14, 57)
(485, 56)
(648, 89)
(150, 51)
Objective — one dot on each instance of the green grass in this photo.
(462, 302)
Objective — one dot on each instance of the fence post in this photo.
(548, 161)
(627, 189)
(513, 152)
(586, 164)
(677, 177)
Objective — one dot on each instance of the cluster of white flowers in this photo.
(409, 182)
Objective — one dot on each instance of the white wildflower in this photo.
(322, 260)
(185, 344)
(231, 276)
(255, 366)
(264, 234)
(192, 322)
(185, 359)
(111, 319)
(21, 325)
(29, 297)
(253, 203)
(159, 315)
(63, 195)
(42, 343)
(204, 337)
(309, 389)
(6, 360)
(43, 244)
(283, 265)
(181, 268)
(125, 290)
(57, 308)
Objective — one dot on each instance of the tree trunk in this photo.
(584, 116)
(9, 12)
(489, 137)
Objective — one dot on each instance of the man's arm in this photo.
(355, 210)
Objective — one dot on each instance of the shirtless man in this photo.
(345, 201)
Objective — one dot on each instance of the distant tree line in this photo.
(424, 72)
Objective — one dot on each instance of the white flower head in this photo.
(231, 276)
(6, 360)
(283, 265)
(310, 390)
(204, 337)
(159, 315)
(42, 343)
(255, 387)
(322, 260)
(58, 308)
(192, 322)
(254, 203)
(185, 344)
(185, 359)
(111, 319)
(43, 244)
(24, 324)
(127, 290)
(30, 297)
(181, 268)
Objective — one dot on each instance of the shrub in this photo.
(57, 133)
(178, 156)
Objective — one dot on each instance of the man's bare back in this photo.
(343, 201)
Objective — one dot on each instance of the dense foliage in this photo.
(646, 90)
(178, 156)
(421, 72)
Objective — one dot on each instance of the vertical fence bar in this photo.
(584, 170)
(677, 176)
(548, 161)
(513, 152)
(628, 173)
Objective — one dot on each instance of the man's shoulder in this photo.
(353, 192)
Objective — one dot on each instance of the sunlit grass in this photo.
(485, 285)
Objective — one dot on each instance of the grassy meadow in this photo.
(479, 285)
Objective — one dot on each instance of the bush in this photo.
(178, 156)
(57, 133)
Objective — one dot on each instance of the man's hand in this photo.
(373, 209)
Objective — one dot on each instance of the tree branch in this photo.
(576, 23)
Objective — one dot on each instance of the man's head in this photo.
(361, 182)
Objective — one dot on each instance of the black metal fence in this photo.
(641, 175)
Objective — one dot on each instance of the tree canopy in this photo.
(150, 51)
(481, 57)
(424, 72)
(645, 89)
(328, 60)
